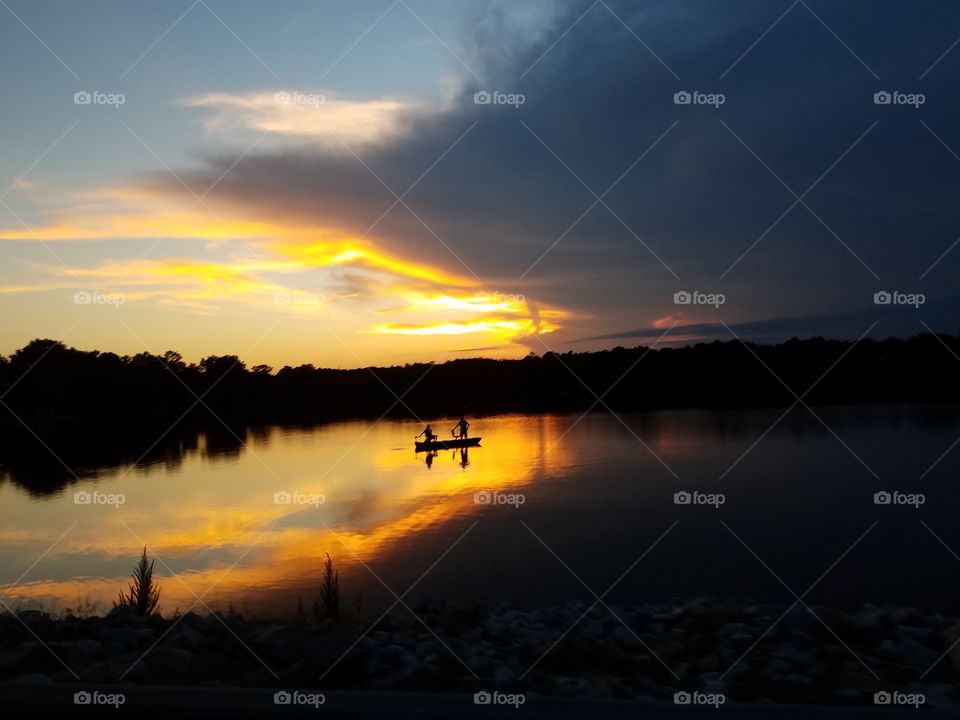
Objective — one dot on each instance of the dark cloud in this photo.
(881, 321)
(599, 99)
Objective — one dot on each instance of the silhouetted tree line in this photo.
(48, 384)
(95, 409)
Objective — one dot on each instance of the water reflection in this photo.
(239, 521)
(461, 455)
(212, 517)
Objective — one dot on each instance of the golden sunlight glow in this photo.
(481, 302)
(504, 328)
(199, 224)
(512, 316)
(404, 502)
(320, 254)
(289, 267)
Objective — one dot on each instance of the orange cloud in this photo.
(666, 321)
(278, 266)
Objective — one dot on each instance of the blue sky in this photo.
(107, 45)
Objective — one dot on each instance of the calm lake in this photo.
(578, 503)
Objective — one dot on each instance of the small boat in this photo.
(447, 444)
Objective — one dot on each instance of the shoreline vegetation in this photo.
(743, 652)
(710, 645)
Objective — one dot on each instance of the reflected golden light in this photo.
(188, 525)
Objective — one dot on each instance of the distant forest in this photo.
(93, 408)
(48, 382)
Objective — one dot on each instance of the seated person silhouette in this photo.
(428, 434)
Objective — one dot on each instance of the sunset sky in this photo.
(312, 181)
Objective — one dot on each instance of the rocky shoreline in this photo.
(741, 652)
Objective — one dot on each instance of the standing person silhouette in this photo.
(460, 429)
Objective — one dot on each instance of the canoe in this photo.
(447, 444)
